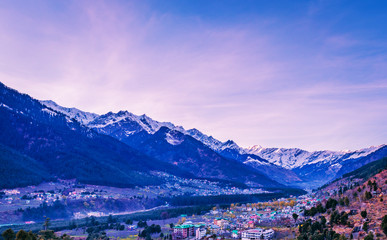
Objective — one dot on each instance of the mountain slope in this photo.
(368, 170)
(68, 150)
(59, 141)
(193, 156)
(17, 170)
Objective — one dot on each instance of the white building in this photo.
(255, 234)
(200, 233)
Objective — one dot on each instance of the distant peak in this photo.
(229, 142)
(255, 147)
(122, 112)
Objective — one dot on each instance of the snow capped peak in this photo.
(133, 123)
(293, 157)
(205, 139)
(231, 145)
(80, 116)
(255, 148)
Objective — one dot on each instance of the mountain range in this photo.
(125, 150)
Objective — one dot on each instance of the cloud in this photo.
(247, 81)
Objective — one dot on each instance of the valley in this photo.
(73, 166)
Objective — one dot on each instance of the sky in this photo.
(305, 74)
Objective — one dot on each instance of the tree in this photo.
(346, 201)
(46, 223)
(142, 224)
(367, 195)
(370, 236)
(8, 234)
(365, 226)
(331, 203)
(323, 221)
(342, 237)
(32, 236)
(110, 219)
(295, 216)
(384, 224)
(363, 214)
(22, 235)
(47, 234)
(65, 237)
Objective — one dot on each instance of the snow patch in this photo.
(128, 133)
(173, 140)
(52, 113)
(250, 160)
(5, 106)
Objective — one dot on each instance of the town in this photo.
(83, 200)
(349, 208)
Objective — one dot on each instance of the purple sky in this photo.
(308, 74)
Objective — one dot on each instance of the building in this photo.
(234, 234)
(258, 233)
(221, 222)
(200, 233)
(183, 231)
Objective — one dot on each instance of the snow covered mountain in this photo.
(132, 124)
(291, 166)
(319, 167)
(291, 158)
(80, 116)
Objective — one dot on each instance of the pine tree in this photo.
(21, 235)
(363, 214)
(8, 234)
(384, 225)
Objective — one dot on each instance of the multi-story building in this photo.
(200, 233)
(183, 231)
(258, 233)
(221, 222)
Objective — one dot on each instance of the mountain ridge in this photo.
(68, 149)
(295, 166)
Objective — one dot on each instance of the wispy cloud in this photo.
(272, 80)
